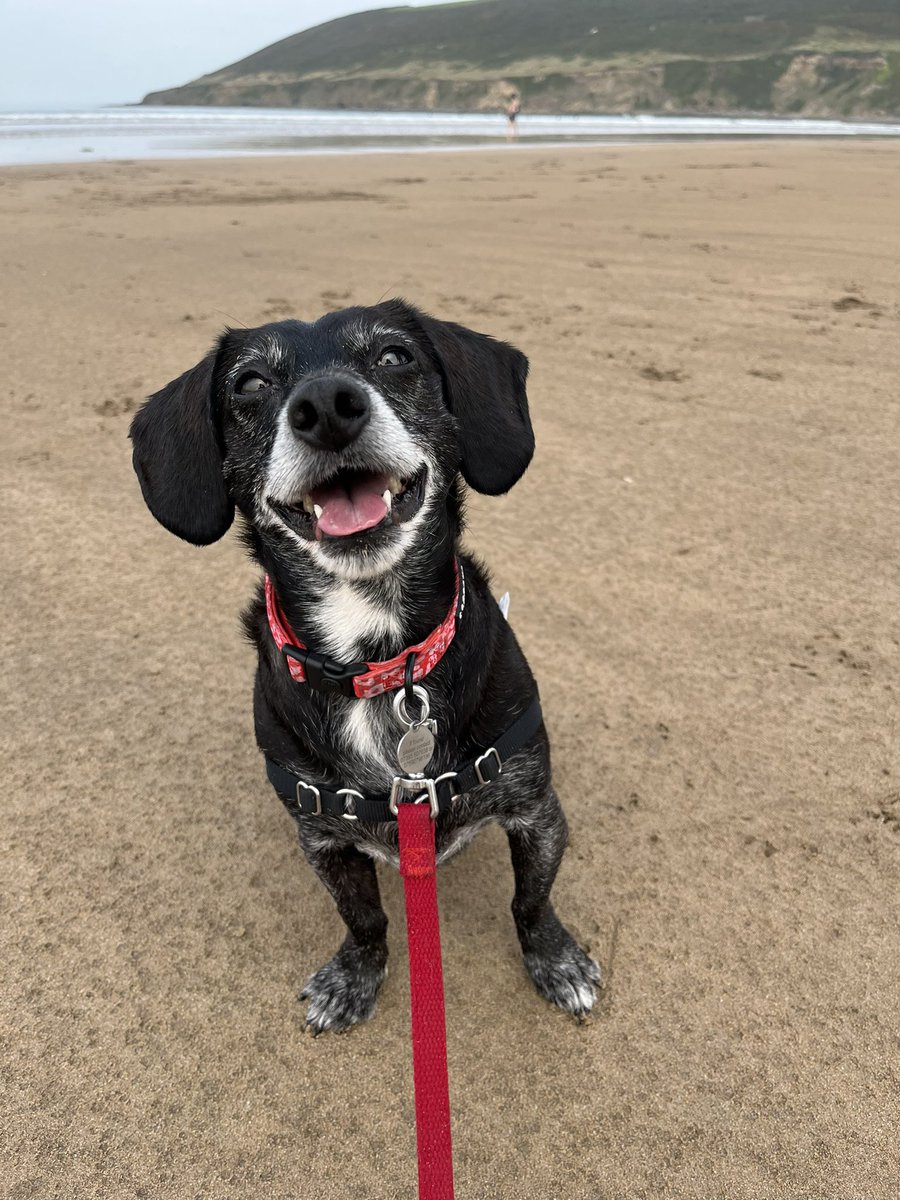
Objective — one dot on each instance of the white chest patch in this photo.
(367, 734)
(346, 619)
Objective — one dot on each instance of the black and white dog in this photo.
(342, 443)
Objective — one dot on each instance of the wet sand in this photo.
(704, 572)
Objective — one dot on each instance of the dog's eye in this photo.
(248, 384)
(394, 356)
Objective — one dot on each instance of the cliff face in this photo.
(838, 85)
(580, 56)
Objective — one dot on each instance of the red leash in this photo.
(426, 986)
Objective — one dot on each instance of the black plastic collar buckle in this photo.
(323, 674)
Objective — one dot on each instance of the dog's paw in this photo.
(565, 975)
(343, 992)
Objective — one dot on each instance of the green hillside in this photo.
(803, 57)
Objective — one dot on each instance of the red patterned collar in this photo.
(362, 679)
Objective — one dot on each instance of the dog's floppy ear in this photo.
(178, 457)
(484, 386)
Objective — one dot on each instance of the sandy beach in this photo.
(703, 563)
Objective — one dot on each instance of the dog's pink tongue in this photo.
(351, 511)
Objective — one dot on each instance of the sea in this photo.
(109, 134)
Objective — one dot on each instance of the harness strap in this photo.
(302, 798)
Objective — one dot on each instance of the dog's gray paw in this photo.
(565, 976)
(343, 992)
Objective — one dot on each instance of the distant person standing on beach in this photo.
(513, 109)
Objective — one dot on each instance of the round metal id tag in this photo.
(416, 747)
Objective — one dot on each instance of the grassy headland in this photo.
(678, 56)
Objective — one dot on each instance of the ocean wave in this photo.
(116, 133)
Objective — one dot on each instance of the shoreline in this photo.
(652, 114)
(332, 154)
(179, 134)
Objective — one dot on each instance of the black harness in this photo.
(303, 799)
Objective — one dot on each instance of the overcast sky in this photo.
(71, 54)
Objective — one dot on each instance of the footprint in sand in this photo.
(116, 408)
(856, 303)
(657, 375)
(762, 373)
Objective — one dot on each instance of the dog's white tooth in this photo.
(387, 497)
(307, 503)
(394, 485)
(317, 509)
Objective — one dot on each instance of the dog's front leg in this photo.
(559, 968)
(344, 991)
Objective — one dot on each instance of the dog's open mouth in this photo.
(353, 503)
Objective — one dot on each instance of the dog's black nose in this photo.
(328, 412)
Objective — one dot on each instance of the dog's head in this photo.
(339, 435)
